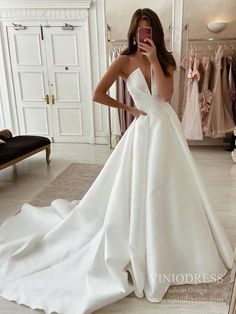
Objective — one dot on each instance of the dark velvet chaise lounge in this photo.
(16, 148)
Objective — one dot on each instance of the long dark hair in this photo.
(165, 57)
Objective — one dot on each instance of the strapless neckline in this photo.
(146, 84)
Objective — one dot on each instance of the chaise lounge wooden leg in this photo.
(48, 152)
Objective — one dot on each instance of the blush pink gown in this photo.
(219, 120)
(192, 121)
(205, 97)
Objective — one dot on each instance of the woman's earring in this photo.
(134, 41)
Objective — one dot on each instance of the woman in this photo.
(145, 222)
(161, 60)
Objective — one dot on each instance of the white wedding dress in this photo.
(147, 212)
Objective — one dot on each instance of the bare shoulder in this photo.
(123, 65)
(115, 69)
(128, 64)
(119, 65)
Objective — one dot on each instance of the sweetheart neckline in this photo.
(138, 68)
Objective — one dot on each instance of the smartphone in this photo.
(144, 32)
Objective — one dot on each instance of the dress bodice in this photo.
(139, 90)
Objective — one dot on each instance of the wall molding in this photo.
(44, 4)
(53, 13)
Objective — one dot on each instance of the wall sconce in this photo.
(216, 27)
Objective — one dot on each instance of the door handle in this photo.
(53, 99)
(46, 99)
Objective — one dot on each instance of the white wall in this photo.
(196, 13)
(199, 13)
(119, 14)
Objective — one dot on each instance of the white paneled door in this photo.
(30, 78)
(67, 77)
(49, 75)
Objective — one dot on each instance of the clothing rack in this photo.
(211, 39)
(123, 40)
(206, 40)
(117, 40)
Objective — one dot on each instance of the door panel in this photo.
(64, 46)
(72, 92)
(23, 41)
(36, 120)
(31, 86)
(67, 76)
(30, 79)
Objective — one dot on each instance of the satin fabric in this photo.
(147, 213)
(219, 120)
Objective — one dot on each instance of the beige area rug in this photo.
(73, 183)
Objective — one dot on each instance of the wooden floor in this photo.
(18, 184)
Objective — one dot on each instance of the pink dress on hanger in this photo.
(184, 88)
(219, 120)
(205, 97)
(225, 87)
(232, 89)
(192, 120)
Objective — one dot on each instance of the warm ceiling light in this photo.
(216, 27)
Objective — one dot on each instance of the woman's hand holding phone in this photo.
(146, 44)
(150, 51)
(143, 34)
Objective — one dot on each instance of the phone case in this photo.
(144, 32)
